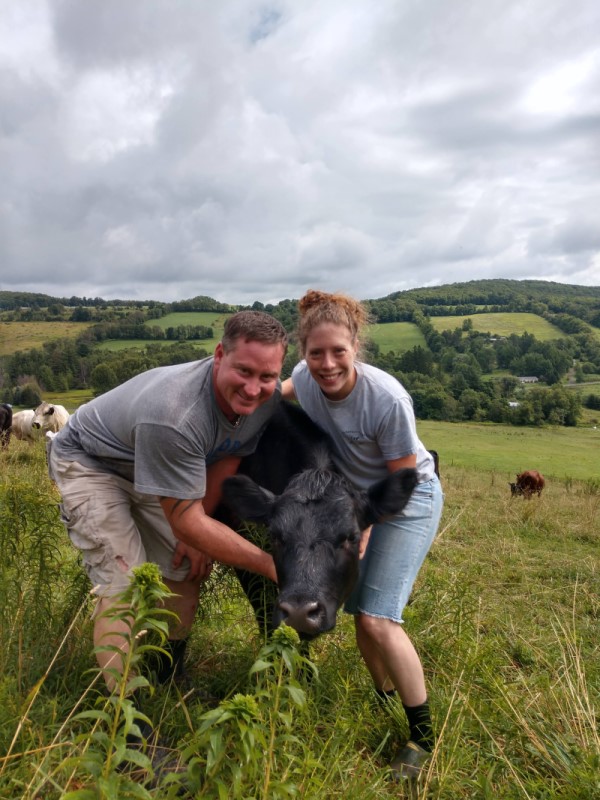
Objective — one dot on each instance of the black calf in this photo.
(315, 519)
(6, 415)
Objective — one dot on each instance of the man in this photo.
(140, 470)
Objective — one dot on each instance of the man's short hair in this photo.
(253, 326)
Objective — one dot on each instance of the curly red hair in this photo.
(317, 307)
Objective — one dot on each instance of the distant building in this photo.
(528, 379)
(513, 403)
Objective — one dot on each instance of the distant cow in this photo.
(528, 483)
(436, 461)
(6, 416)
(21, 425)
(315, 519)
(50, 417)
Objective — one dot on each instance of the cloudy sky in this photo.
(248, 150)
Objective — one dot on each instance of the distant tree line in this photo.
(553, 301)
(451, 381)
(67, 364)
(132, 328)
(30, 307)
(451, 378)
(568, 307)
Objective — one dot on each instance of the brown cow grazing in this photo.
(528, 483)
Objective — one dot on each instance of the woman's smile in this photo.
(330, 353)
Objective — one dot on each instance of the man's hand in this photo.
(200, 564)
(208, 540)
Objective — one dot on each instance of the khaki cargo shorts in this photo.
(114, 527)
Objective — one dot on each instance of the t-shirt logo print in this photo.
(228, 446)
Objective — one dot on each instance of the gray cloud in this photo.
(249, 151)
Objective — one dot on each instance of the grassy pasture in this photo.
(557, 452)
(70, 400)
(503, 324)
(16, 336)
(505, 615)
(396, 336)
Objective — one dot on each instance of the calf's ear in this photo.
(389, 496)
(247, 499)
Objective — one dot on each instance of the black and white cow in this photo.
(314, 518)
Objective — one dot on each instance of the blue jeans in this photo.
(396, 550)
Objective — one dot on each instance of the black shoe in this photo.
(409, 761)
(164, 760)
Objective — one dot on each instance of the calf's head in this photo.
(315, 527)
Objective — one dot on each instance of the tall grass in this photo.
(505, 616)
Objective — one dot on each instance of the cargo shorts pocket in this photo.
(79, 524)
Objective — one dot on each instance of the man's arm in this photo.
(192, 525)
(200, 562)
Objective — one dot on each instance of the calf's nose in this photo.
(305, 617)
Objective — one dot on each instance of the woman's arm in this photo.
(215, 475)
(401, 463)
(287, 390)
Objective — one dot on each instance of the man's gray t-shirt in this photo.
(160, 430)
(374, 424)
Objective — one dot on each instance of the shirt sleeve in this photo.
(397, 431)
(168, 464)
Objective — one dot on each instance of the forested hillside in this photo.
(457, 374)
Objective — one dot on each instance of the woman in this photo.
(370, 418)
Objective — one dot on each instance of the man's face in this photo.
(246, 376)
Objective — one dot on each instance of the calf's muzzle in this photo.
(308, 617)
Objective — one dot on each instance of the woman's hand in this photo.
(364, 541)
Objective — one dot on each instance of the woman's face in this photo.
(330, 352)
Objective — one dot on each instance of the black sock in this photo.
(419, 722)
(137, 741)
(166, 668)
(385, 694)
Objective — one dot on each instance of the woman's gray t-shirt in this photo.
(160, 430)
(374, 424)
